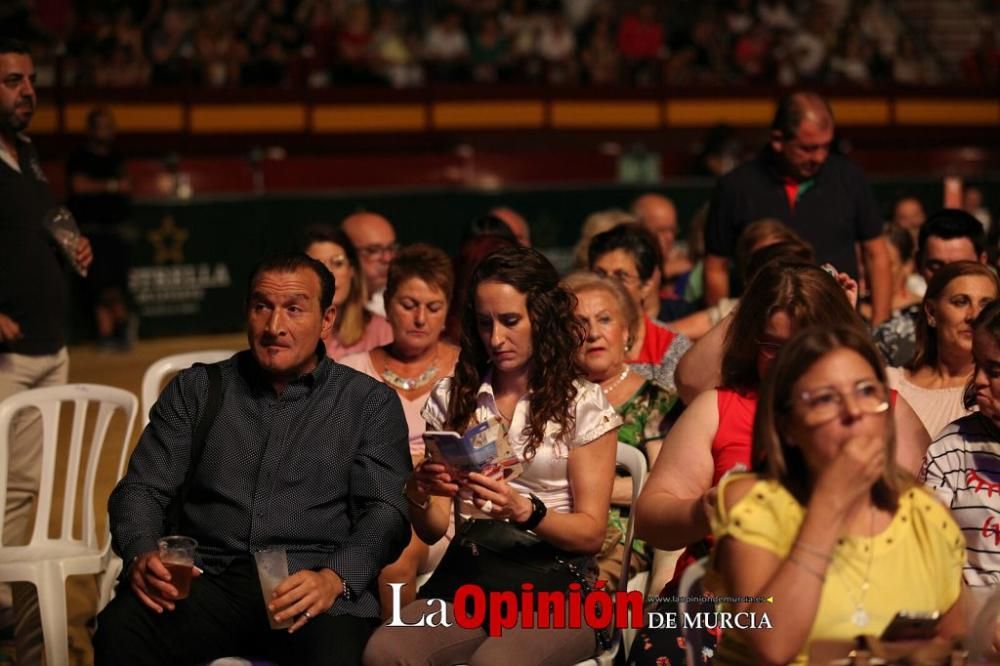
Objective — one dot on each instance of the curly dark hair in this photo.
(556, 336)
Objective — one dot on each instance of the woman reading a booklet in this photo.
(542, 523)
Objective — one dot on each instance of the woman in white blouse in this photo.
(934, 381)
(518, 367)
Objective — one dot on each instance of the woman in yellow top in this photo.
(829, 526)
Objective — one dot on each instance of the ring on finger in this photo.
(487, 506)
(308, 615)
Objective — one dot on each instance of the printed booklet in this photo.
(481, 449)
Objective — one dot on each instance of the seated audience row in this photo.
(796, 452)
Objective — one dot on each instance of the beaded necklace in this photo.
(409, 383)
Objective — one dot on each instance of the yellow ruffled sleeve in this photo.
(767, 516)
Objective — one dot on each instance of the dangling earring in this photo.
(931, 323)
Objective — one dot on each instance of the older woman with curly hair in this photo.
(518, 368)
(612, 321)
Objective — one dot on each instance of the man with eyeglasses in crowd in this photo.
(375, 240)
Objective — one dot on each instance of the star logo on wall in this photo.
(168, 241)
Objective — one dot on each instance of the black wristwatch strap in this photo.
(538, 510)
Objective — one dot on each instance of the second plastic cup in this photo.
(272, 568)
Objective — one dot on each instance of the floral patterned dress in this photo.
(644, 419)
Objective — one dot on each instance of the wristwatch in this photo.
(538, 510)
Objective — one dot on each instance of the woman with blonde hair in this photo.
(828, 526)
(355, 329)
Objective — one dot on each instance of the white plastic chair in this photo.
(691, 586)
(634, 462)
(152, 379)
(46, 562)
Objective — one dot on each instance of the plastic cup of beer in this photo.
(177, 555)
(272, 568)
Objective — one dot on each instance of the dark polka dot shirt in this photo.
(319, 470)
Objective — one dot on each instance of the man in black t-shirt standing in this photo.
(98, 198)
(33, 299)
(823, 196)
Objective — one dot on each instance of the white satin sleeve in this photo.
(594, 414)
(435, 411)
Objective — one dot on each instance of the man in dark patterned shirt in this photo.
(303, 454)
(949, 235)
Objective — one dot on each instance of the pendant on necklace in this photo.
(860, 616)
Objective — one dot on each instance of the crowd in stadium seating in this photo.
(787, 384)
(333, 43)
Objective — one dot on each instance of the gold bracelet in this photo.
(807, 568)
(812, 550)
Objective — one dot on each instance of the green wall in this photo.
(190, 278)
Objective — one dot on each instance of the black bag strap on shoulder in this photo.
(212, 404)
